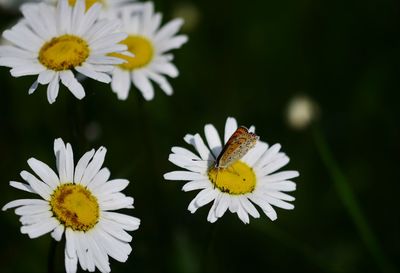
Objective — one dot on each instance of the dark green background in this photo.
(245, 59)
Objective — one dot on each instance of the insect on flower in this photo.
(243, 173)
(240, 142)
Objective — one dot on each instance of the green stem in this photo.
(294, 243)
(52, 256)
(209, 248)
(351, 204)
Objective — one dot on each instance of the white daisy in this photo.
(52, 41)
(150, 45)
(78, 202)
(251, 180)
(106, 4)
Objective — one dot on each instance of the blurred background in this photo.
(334, 63)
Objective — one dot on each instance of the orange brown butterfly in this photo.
(240, 142)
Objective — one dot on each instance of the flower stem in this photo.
(209, 248)
(52, 256)
(351, 204)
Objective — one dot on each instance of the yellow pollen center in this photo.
(141, 47)
(88, 3)
(236, 179)
(75, 207)
(64, 52)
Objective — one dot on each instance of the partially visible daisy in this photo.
(80, 202)
(107, 5)
(251, 180)
(150, 44)
(52, 42)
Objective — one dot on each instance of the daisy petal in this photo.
(230, 128)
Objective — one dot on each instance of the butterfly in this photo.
(240, 142)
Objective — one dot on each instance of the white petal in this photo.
(249, 207)
(254, 154)
(38, 186)
(41, 228)
(100, 178)
(115, 230)
(121, 83)
(243, 216)
(33, 87)
(127, 222)
(280, 176)
(94, 166)
(279, 203)
(168, 30)
(201, 147)
(274, 165)
(212, 217)
(185, 152)
(268, 155)
(186, 163)
(69, 80)
(16, 52)
(91, 16)
(88, 71)
(21, 186)
(223, 205)
(142, 83)
(53, 88)
(46, 76)
(281, 196)
(112, 186)
(27, 70)
(166, 68)
(213, 139)
(107, 40)
(30, 219)
(64, 17)
(161, 81)
(71, 259)
(58, 232)
(45, 173)
(207, 196)
(230, 128)
(115, 248)
(173, 43)
(82, 165)
(196, 185)
(99, 253)
(183, 175)
(23, 202)
(32, 209)
(202, 198)
(116, 204)
(281, 186)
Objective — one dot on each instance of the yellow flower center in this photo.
(88, 3)
(75, 207)
(236, 179)
(141, 47)
(64, 52)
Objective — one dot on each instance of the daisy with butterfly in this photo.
(242, 174)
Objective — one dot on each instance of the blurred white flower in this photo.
(301, 111)
(150, 44)
(189, 13)
(53, 41)
(79, 202)
(250, 180)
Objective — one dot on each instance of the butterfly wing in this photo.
(236, 147)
